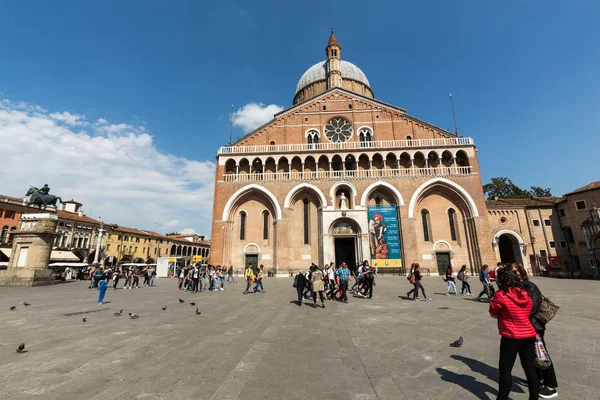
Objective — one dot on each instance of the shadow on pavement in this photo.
(481, 368)
(479, 389)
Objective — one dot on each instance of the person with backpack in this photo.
(249, 276)
(343, 274)
(463, 276)
(450, 281)
(414, 278)
(318, 285)
(484, 278)
(546, 376)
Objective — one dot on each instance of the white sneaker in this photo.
(222, 289)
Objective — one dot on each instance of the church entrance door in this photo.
(345, 251)
(443, 260)
(251, 259)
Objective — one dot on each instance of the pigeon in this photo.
(118, 314)
(133, 316)
(21, 348)
(26, 304)
(198, 311)
(457, 343)
(84, 319)
(192, 304)
(164, 308)
(13, 308)
(181, 301)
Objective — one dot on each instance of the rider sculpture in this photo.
(41, 197)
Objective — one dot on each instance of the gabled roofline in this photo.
(327, 92)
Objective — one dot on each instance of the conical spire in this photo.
(333, 40)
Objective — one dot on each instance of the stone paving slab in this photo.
(263, 346)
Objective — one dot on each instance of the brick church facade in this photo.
(299, 188)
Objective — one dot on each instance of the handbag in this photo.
(547, 310)
(412, 279)
(542, 359)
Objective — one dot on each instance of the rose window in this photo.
(338, 130)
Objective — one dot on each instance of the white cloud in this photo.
(253, 115)
(188, 231)
(115, 170)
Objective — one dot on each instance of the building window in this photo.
(502, 220)
(119, 238)
(591, 262)
(9, 214)
(243, 225)
(547, 222)
(306, 220)
(312, 138)
(580, 205)
(543, 253)
(338, 130)
(563, 244)
(536, 222)
(136, 249)
(3, 234)
(324, 108)
(85, 243)
(561, 212)
(265, 225)
(569, 235)
(365, 136)
(552, 245)
(425, 220)
(108, 247)
(452, 223)
(118, 247)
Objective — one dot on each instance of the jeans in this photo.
(344, 289)
(486, 291)
(331, 293)
(151, 281)
(258, 283)
(101, 295)
(299, 290)
(415, 290)
(195, 284)
(509, 348)
(369, 287)
(547, 376)
(248, 284)
(136, 281)
(465, 285)
(116, 280)
(127, 281)
(222, 278)
(230, 276)
(451, 284)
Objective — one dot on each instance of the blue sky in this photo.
(525, 78)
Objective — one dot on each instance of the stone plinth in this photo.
(32, 246)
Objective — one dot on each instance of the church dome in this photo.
(318, 73)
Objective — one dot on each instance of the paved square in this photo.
(264, 347)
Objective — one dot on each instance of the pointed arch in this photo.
(342, 183)
(445, 182)
(291, 193)
(374, 185)
(248, 188)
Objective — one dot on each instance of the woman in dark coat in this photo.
(547, 376)
(301, 283)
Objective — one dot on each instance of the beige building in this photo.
(315, 182)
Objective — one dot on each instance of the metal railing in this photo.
(350, 174)
(385, 144)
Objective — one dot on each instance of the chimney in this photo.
(80, 213)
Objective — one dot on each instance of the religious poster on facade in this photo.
(384, 237)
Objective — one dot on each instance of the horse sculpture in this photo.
(41, 199)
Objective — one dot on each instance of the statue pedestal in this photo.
(32, 246)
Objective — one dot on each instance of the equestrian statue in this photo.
(41, 197)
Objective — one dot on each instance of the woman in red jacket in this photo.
(512, 306)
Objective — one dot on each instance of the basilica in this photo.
(341, 176)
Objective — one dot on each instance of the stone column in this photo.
(30, 256)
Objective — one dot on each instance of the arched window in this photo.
(365, 136)
(3, 234)
(306, 219)
(243, 225)
(425, 220)
(409, 140)
(312, 138)
(265, 225)
(452, 222)
(378, 201)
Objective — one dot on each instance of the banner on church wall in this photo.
(384, 237)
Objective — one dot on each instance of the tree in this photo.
(172, 234)
(504, 188)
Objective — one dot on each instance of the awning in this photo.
(3, 263)
(6, 252)
(69, 264)
(58, 255)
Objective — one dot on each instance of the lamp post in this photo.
(97, 255)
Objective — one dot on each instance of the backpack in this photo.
(461, 276)
(295, 284)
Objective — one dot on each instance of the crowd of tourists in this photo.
(332, 282)
(197, 277)
(112, 275)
